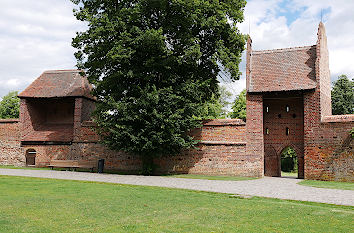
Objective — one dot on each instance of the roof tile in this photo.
(283, 69)
(59, 83)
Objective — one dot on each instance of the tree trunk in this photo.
(148, 165)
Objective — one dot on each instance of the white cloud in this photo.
(35, 36)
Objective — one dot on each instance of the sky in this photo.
(36, 35)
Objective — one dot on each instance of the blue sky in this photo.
(36, 35)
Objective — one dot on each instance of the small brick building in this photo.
(288, 104)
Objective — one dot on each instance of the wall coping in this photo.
(212, 122)
(338, 118)
(222, 143)
(9, 120)
(223, 122)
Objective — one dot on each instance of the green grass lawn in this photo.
(204, 177)
(290, 174)
(47, 205)
(29, 168)
(328, 184)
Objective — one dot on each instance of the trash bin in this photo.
(100, 165)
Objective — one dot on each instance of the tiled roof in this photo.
(51, 133)
(283, 69)
(59, 83)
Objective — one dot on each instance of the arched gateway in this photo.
(283, 125)
(288, 95)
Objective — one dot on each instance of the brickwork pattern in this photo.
(254, 132)
(11, 151)
(330, 155)
(47, 119)
(276, 122)
(221, 151)
(45, 153)
(328, 146)
(322, 72)
(211, 160)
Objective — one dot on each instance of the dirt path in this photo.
(282, 188)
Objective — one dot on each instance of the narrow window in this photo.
(287, 108)
(267, 109)
(267, 131)
(287, 131)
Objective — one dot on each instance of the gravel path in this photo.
(282, 188)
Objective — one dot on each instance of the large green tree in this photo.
(343, 96)
(239, 106)
(217, 106)
(10, 106)
(153, 64)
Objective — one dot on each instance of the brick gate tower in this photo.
(289, 104)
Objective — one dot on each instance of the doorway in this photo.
(30, 157)
(289, 162)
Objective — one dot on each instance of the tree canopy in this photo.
(154, 64)
(288, 160)
(216, 107)
(10, 106)
(343, 96)
(239, 106)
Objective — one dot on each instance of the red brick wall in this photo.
(10, 151)
(276, 120)
(86, 133)
(82, 113)
(221, 151)
(39, 115)
(254, 133)
(88, 106)
(322, 72)
(77, 118)
(327, 144)
(209, 159)
(223, 130)
(60, 111)
(86, 146)
(114, 160)
(45, 153)
(29, 116)
(329, 150)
